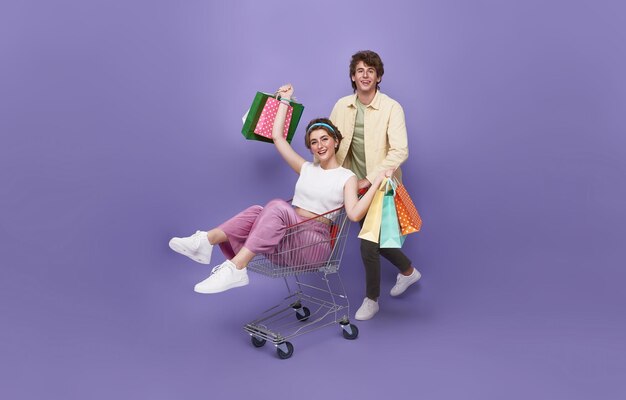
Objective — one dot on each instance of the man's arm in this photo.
(398, 150)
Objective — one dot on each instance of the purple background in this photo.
(120, 128)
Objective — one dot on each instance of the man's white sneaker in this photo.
(196, 247)
(368, 309)
(403, 282)
(223, 277)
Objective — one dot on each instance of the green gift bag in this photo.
(252, 118)
(390, 233)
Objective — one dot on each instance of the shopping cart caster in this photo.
(284, 350)
(257, 342)
(302, 313)
(349, 331)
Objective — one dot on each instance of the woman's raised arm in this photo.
(292, 158)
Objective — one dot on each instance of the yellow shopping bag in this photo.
(371, 226)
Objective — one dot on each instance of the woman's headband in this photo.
(320, 124)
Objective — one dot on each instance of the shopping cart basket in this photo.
(309, 264)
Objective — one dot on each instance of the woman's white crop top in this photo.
(320, 190)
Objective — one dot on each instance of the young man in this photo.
(375, 139)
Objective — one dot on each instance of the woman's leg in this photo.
(235, 230)
(270, 226)
(231, 233)
(263, 235)
(242, 258)
(216, 236)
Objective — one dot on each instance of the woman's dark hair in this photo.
(369, 58)
(325, 124)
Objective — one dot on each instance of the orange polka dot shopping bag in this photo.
(408, 217)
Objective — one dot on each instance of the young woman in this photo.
(323, 186)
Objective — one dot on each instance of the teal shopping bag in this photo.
(251, 118)
(390, 234)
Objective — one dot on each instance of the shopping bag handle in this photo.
(291, 100)
(391, 183)
(382, 187)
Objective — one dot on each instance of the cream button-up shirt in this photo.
(385, 137)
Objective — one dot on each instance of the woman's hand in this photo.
(292, 158)
(285, 91)
(364, 184)
(388, 173)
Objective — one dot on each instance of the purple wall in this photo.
(120, 128)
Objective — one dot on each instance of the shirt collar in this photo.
(375, 104)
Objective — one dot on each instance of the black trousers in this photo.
(370, 254)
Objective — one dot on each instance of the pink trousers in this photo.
(264, 230)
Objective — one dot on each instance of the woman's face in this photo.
(322, 144)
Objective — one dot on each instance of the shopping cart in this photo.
(309, 264)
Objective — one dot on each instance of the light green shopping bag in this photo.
(390, 234)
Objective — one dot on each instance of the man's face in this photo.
(365, 78)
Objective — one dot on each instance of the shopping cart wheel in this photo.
(284, 350)
(350, 331)
(257, 342)
(303, 313)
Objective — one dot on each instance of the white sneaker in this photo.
(223, 277)
(196, 247)
(403, 282)
(368, 309)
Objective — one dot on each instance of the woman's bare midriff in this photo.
(308, 214)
